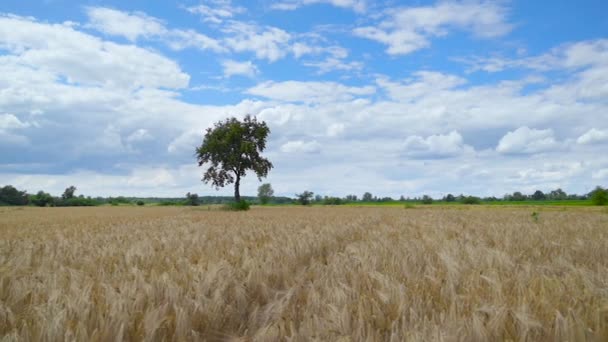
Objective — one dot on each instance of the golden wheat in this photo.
(301, 274)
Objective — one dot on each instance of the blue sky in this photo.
(392, 97)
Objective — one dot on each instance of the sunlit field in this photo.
(292, 273)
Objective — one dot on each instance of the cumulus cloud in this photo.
(435, 146)
(139, 135)
(137, 25)
(593, 136)
(295, 91)
(423, 82)
(266, 42)
(335, 129)
(9, 121)
(405, 30)
(232, 68)
(601, 174)
(66, 52)
(590, 53)
(216, 11)
(299, 146)
(525, 140)
(290, 5)
(130, 26)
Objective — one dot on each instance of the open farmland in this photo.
(287, 273)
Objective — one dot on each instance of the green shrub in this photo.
(333, 201)
(241, 205)
(426, 199)
(169, 203)
(76, 202)
(470, 200)
(599, 196)
(140, 202)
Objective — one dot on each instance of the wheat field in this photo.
(303, 274)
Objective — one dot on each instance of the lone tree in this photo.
(231, 148)
(305, 197)
(69, 192)
(265, 193)
(192, 199)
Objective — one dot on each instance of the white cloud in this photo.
(232, 68)
(294, 91)
(65, 52)
(216, 11)
(299, 146)
(335, 129)
(424, 83)
(591, 53)
(600, 174)
(593, 136)
(186, 142)
(435, 146)
(266, 42)
(333, 64)
(525, 140)
(138, 136)
(9, 121)
(131, 26)
(405, 30)
(290, 5)
(136, 25)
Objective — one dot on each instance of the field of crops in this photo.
(291, 273)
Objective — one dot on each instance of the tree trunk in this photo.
(237, 194)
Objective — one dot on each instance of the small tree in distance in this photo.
(305, 197)
(192, 199)
(231, 148)
(42, 199)
(265, 193)
(367, 197)
(426, 199)
(69, 192)
(599, 196)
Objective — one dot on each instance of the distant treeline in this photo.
(9, 195)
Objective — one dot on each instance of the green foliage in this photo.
(333, 201)
(367, 197)
(241, 205)
(518, 196)
(68, 193)
(140, 203)
(558, 194)
(170, 203)
(470, 200)
(449, 198)
(42, 199)
(409, 206)
(304, 198)
(599, 196)
(9, 195)
(192, 199)
(426, 199)
(76, 202)
(231, 148)
(538, 195)
(265, 193)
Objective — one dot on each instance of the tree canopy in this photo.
(265, 193)
(232, 147)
